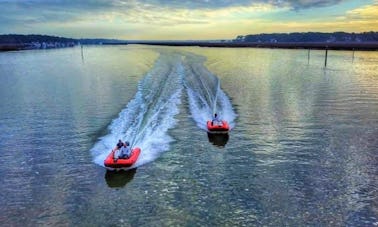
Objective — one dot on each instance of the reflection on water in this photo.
(218, 139)
(303, 151)
(119, 179)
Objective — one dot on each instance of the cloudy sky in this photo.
(184, 19)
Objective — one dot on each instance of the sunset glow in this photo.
(184, 20)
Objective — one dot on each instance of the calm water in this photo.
(303, 150)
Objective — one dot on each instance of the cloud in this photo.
(368, 12)
(39, 11)
(177, 17)
(305, 4)
(132, 11)
(218, 4)
(60, 4)
(24, 13)
(126, 5)
(174, 18)
(360, 19)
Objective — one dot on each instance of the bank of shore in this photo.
(11, 47)
(363, 46)
(27, 46)
(372, 46)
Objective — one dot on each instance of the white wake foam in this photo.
(149, 115)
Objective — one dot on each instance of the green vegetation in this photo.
(310, 37)
(23, 39)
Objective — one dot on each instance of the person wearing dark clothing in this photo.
(117, 150)
(216, 120)
(119, 144)
(125, 151)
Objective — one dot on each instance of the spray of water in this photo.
(149, 115)
(205, 94)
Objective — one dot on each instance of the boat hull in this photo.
(224, 127)
(122, 163)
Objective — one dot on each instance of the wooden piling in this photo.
(325, 59)
(308, 57)
(82, 54)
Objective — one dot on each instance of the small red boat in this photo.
(122, 163)
(223, 127)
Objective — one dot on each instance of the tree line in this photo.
(22, 39)
(309, 37)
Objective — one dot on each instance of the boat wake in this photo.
(148, 116)
(205, 94)
(151, 113)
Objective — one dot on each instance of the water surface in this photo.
(302, 150)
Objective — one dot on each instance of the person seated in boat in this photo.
(119, 144)
(117, 148)
(124, 152)
(216, 120)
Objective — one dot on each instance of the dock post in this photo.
(326, 56)
(82, 54)
(308, 57)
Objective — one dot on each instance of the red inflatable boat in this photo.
(122, 163)
(224, 127)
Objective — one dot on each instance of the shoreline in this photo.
(366, 46)
(20, 47)
(11, 47)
